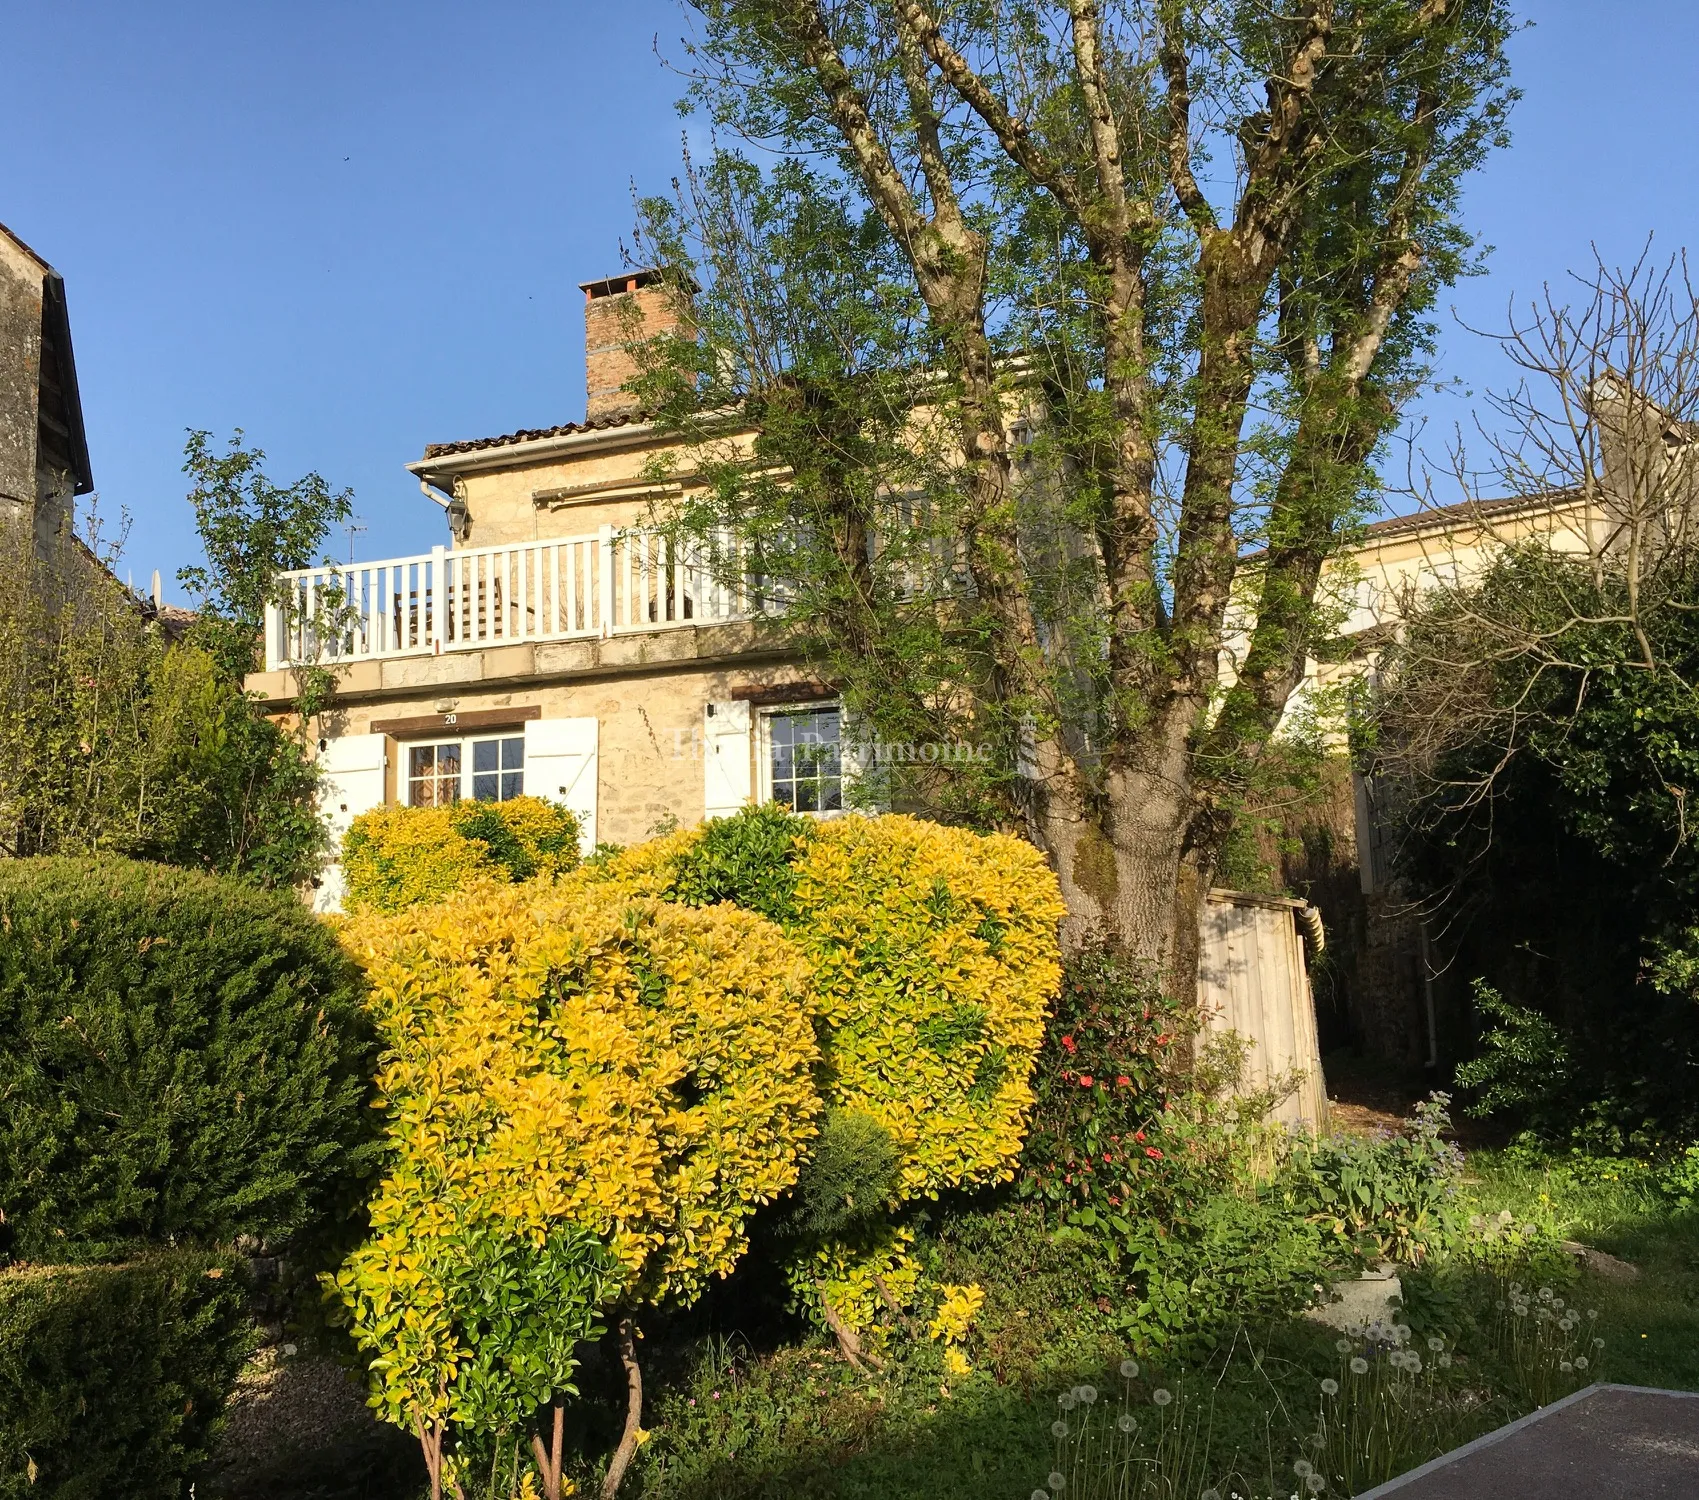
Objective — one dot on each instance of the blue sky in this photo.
(356, 228)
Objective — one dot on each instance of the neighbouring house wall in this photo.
(20, 379)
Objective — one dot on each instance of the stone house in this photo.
(552, 644)
(44, 461)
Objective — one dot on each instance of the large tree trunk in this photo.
(1123, 856)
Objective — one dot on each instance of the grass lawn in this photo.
(1651, 1324)
(741, 1405)
(796, 1422)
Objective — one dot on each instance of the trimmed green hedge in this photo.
(112, 1378)
(183, 1058)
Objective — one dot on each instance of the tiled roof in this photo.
(1463, 510)
(532, 434)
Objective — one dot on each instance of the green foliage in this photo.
(748, 860)
(1523, 1067)
(1112, 1051)
(1142, 1165)
(848, 1180)
(508, 1308)
(251, 530)
(182, 1057)
(964, 354)
(113, 1378)
(1394, 1197)
(1679, 1179)
(113, 738)
(1547, 791)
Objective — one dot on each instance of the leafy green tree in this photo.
(115, 737)
(1047, 310)
(1547, 771)
(1538, 723)
(251, 530)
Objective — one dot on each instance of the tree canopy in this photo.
(1043, 315)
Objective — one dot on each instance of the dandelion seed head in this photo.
(1445, 1361)
(1592, 1314)
(1303, 1468)
(1545, 1294)
(1565, 1366)
(1359, 1366)
(1598, 1343)
(1330, 1387)
(1066, 1401)
(1059, 1428)
(1581, 1361)
(1129, 1369)
(1125, 1421)
(1516, 1289)
(1343, 1346)
(1086, 1395)
(1413, 1362)
(1314, 1483)
(1210, 1495)
(1057, 1481)
(1040, 1495)
(1436, 1343)
(1161, 1397)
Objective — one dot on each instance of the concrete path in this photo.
(1608, 1442)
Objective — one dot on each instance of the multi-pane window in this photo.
(803, 758)
(498, 769)
(433, 774)
(488, 770)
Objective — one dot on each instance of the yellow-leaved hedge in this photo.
(934, 957)
(567, 1051)
(396, 857)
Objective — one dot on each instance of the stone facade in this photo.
(44, 460)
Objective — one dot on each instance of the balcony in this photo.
(612, 582)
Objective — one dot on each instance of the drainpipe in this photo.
(1428, 1000)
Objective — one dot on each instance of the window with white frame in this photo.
(481, 770)
(801, 757)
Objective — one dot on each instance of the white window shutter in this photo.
(353, 777)
(560, 764)
(726, 759)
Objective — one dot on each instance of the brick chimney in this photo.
(619, 312)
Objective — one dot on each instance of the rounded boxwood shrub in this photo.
(113, 1378)
(183, 1057)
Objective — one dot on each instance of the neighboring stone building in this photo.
(44, 462)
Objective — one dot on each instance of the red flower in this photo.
(1085, 1080)
(1164, 1039)
(1153, 1153)
(1068, 1042)
(1122, 1081)
(1138, 1135)
(1108, 1157)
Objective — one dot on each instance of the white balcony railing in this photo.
(559, 589)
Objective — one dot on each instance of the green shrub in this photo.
(1393, 1197)
(113, 1378)
(747, 860)
(182, 1056)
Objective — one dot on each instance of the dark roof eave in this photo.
(54, 308)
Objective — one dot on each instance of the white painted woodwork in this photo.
(353, 778)
(728, 759)
(560, 764)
